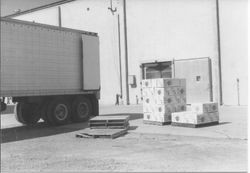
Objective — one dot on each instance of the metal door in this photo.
(91, 64)
(197, 72)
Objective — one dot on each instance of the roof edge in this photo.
(48, 26)
(38, 8)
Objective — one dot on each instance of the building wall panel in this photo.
(172, 29)
(165, 30)
(233, 22)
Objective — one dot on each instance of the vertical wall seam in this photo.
(126, 50)
(219, 50)
(59, 17)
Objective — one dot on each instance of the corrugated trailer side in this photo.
(44, 66)
(39, 60)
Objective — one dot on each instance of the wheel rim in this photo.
(83, 109)
(61, 112)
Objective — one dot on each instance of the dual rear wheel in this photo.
(58, 111)
(27, 114)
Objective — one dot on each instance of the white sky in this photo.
(9, 6)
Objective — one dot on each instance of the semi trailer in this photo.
(51, 73)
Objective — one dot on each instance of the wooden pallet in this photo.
(194, 125)
(101, 133)
(109, 122)
(103, 126)
(156, 122)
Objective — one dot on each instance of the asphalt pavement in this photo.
(145, 147)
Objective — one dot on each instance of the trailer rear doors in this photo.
(91, 63)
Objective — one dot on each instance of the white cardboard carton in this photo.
(190, 117)
(146, 83)
(204, 107)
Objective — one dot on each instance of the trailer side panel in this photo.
(40, 60)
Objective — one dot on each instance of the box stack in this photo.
(161, 97)
(201, 114)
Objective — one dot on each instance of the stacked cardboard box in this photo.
(161, 97)
(201, 113)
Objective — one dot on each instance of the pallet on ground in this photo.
(109, 121)
(156, 122)
(102, 133)
(194, 125)
(109, 126)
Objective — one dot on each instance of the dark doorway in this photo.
(157, 70)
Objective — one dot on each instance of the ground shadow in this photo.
(222, 123)
(42, 129)
(213, 124)
(39, 130)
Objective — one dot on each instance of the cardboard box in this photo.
(148, 108)
(170, 91)
(161, 97)
(157, 116)
(170, 100)
(215, 116)
(163, 83)
(190, 117)
(207, 118)
(146, 83)
(181, 90)
(163, 118)
(148, 92)
(204, 107)
(164, 109)
(165, 100)
(180, 107)
(185, 117)
(181, 99)
(150, 99)
(150, 116)
(147, 115)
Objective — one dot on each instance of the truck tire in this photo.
(27, 114)
(58, 111)
(82, 109)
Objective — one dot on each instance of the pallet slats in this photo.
(109, 122)
(101, 133)
(106, 127)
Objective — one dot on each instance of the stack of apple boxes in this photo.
(161, 97)
(201, 114)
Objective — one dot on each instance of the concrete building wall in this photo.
(172, 29)
(233, 15)
(159, 29)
